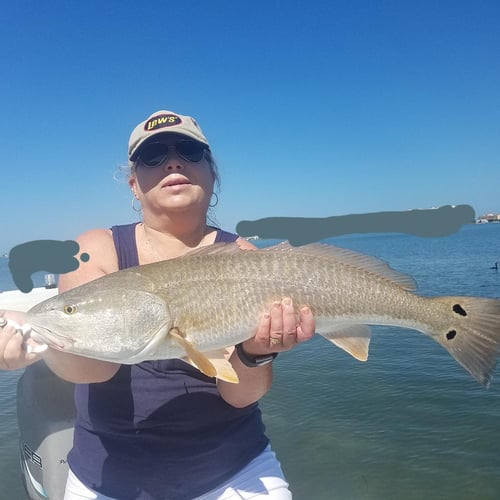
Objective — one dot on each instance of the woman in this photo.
(163, 430)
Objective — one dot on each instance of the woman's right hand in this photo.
(13, 353)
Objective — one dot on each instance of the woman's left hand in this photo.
(281, 329)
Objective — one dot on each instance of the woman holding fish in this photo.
(162, 429)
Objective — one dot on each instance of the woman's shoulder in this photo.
(99, 249)
(223, 236)
(95, 239)
(245, 244)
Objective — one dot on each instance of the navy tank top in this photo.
(159, 430)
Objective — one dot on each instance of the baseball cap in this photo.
(162, 122)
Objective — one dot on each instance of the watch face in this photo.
(264, 360)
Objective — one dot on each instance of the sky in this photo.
(312, 108)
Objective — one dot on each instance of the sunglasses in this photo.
(155, 153)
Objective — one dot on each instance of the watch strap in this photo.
(254, 361)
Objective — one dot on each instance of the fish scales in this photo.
(215, 292)
(213, 297)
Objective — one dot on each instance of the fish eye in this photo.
(70, 309)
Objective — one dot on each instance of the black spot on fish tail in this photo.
(474, 340)
(459, 310)
(451, 334)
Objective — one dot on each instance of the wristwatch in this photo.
(254, 361)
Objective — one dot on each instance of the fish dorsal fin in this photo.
(211, 364)
(347, 257)
(354, 339)
(350, 258)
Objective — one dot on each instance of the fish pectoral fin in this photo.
(196, 357)
(354, 339)
(211, 364)
(225, 370)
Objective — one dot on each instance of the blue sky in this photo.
(313, 108)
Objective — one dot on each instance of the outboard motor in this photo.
(46, 416)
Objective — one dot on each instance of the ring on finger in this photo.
(274, 341)
(3, 322)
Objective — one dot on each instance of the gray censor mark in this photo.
(432, 222)
(58, 257)
(53, 256)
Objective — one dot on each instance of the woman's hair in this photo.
(211, 218)
(213, 169)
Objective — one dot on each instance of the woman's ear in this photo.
(132, 182)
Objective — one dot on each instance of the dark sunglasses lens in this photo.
(190, 150)
(152, 155)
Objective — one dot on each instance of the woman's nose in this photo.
(173, 162)
(171, 166)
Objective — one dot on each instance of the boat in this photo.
(45, 415)
(44, 440)
(14, 300)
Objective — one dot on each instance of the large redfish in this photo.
(195, 306)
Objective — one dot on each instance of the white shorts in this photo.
(261, 479)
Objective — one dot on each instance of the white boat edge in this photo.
(15, 300)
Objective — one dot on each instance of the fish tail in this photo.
(471, 334)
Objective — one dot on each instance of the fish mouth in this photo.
(56, 341)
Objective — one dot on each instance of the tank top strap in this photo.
(125, 244)
(225, 237)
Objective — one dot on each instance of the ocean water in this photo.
(408, 424)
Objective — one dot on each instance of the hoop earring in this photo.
(134, 208)
(212, 205)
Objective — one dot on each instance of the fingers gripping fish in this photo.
(25, 331)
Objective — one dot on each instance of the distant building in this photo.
(488, 218)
